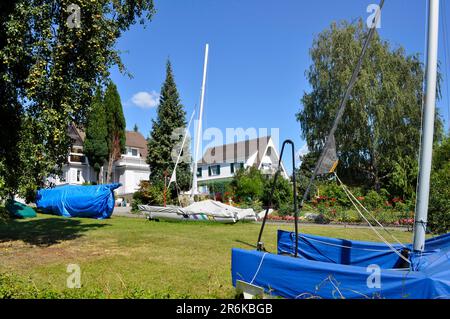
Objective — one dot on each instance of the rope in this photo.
(259, 267)
(373, 217)
(373, 228)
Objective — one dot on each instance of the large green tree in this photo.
(116, 125)
(167, 132)
(96, 143)
(379, 134)
(49, 67)
(439, 207)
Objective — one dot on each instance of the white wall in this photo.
(69, 175)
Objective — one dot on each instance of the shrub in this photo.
(335, 194)
(150, 194)
(286, 209)
(282, 195)
(375, 200)
(439, 207)
(248, 184)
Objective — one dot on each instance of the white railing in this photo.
(127, 160)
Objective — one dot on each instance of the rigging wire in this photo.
(373, 228)
(370, 214)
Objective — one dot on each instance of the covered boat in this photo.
(337, 268)
(96, 201)
(207, 210)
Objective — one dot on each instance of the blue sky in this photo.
(258, 57)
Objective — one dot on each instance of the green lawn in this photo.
(130, 257)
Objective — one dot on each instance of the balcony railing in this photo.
(128, 160)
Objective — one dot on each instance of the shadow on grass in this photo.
(44, 232)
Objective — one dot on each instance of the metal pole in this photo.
(199, 126)
(427, 128)
(260, 244)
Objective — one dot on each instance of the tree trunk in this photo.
(99, 175)
(110, 164)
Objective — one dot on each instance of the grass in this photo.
(130, 257)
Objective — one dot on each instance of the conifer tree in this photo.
(116, 126)
(166, 135)
(96, 145)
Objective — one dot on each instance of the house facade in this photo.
(129, 170)
(220, 163)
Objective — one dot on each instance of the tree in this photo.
(167, 132)
(248, 184)
(115, 126)
(439, 207)
(380, 131)
(96, 145)
(49, 69)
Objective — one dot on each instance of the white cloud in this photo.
(145, 100)
(301, 152)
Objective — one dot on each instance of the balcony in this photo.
(131, 161)
(77, 158)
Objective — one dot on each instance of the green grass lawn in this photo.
(131, 257)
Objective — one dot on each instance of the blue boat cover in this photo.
(350, 252)
(338, 251)
(325, 269)
(78, 201)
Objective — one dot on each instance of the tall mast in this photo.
(421, 216)
(198, 138)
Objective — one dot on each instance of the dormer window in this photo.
(132, 151)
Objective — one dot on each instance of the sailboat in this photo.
(309, 266)
(207, 210)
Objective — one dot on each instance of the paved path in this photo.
(126, 212)
(334, 225)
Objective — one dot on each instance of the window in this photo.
(78, 175)
(199, 172)
(77, 158)
(131, 151)
(214, 170)
(236, 166)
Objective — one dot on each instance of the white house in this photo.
(220, 163)
(129, 170)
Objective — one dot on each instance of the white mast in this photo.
(426, 150)
(198, 138)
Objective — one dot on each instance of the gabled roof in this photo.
(234, 152)
(133, 139)
(136, 139)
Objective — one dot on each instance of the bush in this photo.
(150, 194)
(335, 194)
(248, 185)
(282, 196)
(375, 200)
(286, 209)
(439, 206)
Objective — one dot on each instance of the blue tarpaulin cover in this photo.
(325, 269)
(78, 201)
